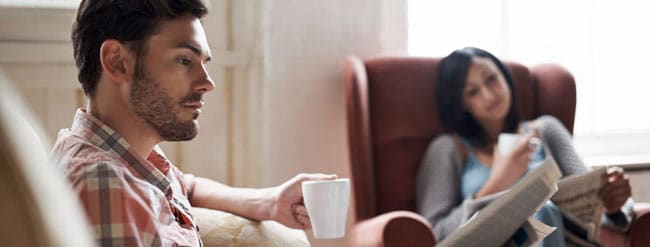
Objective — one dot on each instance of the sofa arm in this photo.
(218, 228)
(398, 228)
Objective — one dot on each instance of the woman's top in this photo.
(476, 174)
(439, 195)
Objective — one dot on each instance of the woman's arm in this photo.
(437, 187)
(559, 142)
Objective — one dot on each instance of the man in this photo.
(142, 65)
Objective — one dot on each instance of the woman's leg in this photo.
(549, 214)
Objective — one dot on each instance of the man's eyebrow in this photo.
(194, 50)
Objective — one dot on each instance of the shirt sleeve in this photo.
(116, 213)
(188, 181)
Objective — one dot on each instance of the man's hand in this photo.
(616, 189)
(288, 207)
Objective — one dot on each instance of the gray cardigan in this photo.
(438, 195)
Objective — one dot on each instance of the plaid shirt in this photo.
(129, 201)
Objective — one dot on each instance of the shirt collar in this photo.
(102, 136)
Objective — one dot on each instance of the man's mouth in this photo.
(195, 106)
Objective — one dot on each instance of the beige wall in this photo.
(306, 41)
(277, 109)
(303, 115)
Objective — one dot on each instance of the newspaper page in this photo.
(577, 199)
(535, 231)
(495, 224)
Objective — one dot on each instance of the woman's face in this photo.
(486, 94)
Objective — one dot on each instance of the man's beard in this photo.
(157, 108)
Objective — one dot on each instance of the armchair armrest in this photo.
(398, 228)
(637, 235)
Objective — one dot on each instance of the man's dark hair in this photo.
(131, 22)
(451, 80)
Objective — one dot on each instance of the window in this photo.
(601, 42)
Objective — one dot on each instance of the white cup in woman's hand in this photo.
(507, 142)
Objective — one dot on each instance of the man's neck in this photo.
(140, 136)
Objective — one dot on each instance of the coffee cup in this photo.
(507, 142)
(327, 203)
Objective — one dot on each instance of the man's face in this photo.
(168, 88)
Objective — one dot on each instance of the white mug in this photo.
(327, 203)
(508, 141)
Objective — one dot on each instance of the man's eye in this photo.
(184, 61)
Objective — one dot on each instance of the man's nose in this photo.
(205, 83)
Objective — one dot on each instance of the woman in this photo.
(475, 100)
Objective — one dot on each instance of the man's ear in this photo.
(115, 60)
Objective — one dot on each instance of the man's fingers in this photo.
(304, 221)
(301, 210)
(301, 216)
(314, 176)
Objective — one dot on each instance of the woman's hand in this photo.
(616, 189)
(509, 168)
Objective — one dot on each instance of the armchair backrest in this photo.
(392, 117)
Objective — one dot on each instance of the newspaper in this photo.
(489, 227)
(535, 231)
(577, 198)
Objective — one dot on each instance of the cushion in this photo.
(218, 228)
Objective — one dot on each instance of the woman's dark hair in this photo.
(129, 21)
(451, 79)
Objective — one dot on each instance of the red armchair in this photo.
(391, 118)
